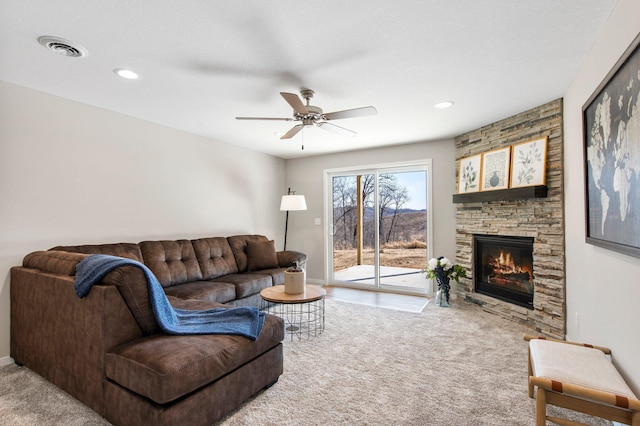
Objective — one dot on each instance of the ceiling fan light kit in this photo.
(309, 115)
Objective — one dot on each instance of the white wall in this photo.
(603, 287)
(305, 175)
(75, 174)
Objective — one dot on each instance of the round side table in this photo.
(303, 313)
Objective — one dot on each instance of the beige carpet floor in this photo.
(371, 366)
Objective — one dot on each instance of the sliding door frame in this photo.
(377, 169)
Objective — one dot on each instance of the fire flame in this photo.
(504, 264)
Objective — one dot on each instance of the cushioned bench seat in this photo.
(581, 378)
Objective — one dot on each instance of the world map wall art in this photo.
(611, 119)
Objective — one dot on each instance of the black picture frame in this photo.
(611, 142)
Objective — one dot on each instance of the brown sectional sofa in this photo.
(107, 350)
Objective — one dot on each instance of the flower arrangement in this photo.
(443, 270)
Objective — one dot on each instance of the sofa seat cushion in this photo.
(247, 284)
(211, 291)
(164, 367)
(277, 275)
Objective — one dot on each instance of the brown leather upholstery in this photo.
(238, 245)
(203, 290)
(246, 284)
(107, 350)
(129, 281)
(215, 257)
(57, 262)
(128, 250)
(172, 262)
(163, 368)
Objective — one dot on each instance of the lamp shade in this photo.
(293, 202)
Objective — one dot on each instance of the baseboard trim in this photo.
(6, 360)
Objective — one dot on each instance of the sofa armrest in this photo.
(289, 258)
(129, 281)
(54, 262)
(64, 338)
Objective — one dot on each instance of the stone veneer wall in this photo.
(540, 218)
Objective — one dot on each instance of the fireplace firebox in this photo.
(503, 268)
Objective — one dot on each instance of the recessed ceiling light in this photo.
(128, 74)
(279, 134)
(444, 104)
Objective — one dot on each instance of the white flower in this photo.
(445, 263)
(433, 263)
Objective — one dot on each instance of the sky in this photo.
(416, 185)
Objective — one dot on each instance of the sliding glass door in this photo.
(379, 234)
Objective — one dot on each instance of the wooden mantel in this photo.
(539, 191)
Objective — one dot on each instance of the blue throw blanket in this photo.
(244, 321)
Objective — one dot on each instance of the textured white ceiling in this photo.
(205, 62)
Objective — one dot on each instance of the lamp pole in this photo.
(286, 224)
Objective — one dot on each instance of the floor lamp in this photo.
(289, 202)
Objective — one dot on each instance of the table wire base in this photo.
(301, 320)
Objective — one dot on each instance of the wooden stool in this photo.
(581, 378)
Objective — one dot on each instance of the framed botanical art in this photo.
(495, 169)
(529, 163)
(469, 174)
(612, 157)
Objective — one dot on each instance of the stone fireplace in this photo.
(537, 216)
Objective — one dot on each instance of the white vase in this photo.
(294, 282)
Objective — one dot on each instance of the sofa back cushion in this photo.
(128, 250)
(172, 262)
(238, 245)
(214, 257)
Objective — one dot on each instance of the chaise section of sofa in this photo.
(107, 350)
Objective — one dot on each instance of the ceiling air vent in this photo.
(63, 47)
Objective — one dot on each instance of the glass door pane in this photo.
(402, 211)
(354, 229)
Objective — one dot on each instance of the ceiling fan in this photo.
(309, 115)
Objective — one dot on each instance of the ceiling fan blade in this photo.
(336, 129)
(295, 102)
(265, 118)
(350, 113)
(294, 131)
